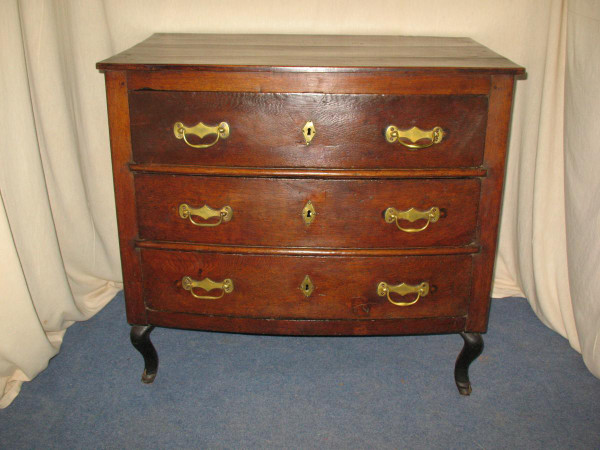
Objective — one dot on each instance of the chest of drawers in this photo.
(308, 185)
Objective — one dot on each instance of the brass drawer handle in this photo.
(201, 130)
(415, 134)
(206, 212)
(384, 289)
(189, 284)
(393, 215)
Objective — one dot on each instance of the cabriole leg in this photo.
(471, 350)
(140, 338)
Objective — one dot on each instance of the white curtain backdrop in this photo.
(58, 238)
(582, 162)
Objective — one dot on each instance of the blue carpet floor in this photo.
(215, 390)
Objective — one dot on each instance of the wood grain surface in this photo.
(491, 198)
(266, 129)
(407, 82)
(349, 213)
(306, 251)
(292, 172)
(307, 52)
(307, 327)
(120, 144)
(270, 286)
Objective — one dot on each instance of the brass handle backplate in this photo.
(410, 137)
(384, 289)
(393, 215)
(206, 212)
(189, 284)
(201, 130)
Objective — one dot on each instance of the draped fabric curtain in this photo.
(58, 238)
(582, 184)
(60, 262)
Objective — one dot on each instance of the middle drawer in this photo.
(306, 212)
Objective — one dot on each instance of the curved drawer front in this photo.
(306, 287)
(307, 213)
(270, 130)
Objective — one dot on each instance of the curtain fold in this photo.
(61, 262)
(58, 233)
(533, 235)
(582, 184)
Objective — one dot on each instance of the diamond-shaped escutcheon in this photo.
(309, 131)
(308, 213)
(307, 287)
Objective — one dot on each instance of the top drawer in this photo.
(349, 131)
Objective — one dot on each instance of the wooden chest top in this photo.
(310, 53)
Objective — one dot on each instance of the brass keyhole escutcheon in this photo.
(307, 287)
(308, 213)
(309, 131)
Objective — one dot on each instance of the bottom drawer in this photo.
(307, 287)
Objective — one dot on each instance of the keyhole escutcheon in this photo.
(309, 131)
(307, 287)
(308, 213)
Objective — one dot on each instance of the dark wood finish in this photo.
(266, 129)
(307, 251)
(140, 338)
(269, 211)
(120, 143)
(308, 52)
(491, 198)
(410, 83)
(270, 172)
(471, 350)
(345, 288)
(267, 87)
(361, 327)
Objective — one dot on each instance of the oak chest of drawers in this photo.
(309, 185)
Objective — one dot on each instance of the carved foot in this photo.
(471, 350)
(140, 338)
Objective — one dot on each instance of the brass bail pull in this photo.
(189, 284)
(384, 289)
(181, 132)
(410, 137)
(206, 212)
(392, 215)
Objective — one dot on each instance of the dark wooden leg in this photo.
(471, 350)
(140, 338)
